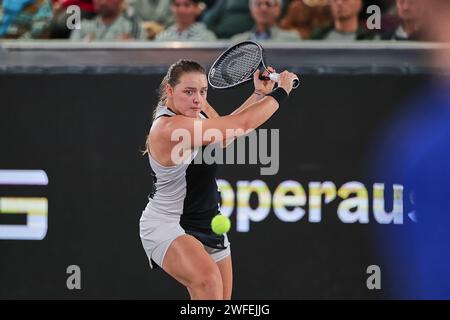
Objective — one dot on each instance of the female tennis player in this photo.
(175, 227)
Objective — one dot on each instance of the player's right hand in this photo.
(286, 80)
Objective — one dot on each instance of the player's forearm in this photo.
(255, 97)
(258, 112)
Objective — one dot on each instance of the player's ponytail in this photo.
(162, 95)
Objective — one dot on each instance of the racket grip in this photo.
(276, 77)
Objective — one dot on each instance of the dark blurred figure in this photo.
(412, 15)
(389, 17)
(416, 153)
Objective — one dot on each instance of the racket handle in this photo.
(276, 77)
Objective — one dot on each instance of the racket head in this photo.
(236, 65)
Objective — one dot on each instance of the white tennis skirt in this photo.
(157, 232)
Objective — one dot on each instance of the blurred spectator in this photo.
(186, 28)
(228, 17)
(304, 16)
(25, 19)
(346, 26)
(411, 25)
(155, 15)
(58, 27)
(265, 13)
(110, 24)
(157, 11)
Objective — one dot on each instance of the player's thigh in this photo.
(187, 261)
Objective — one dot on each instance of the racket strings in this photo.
(236, 66)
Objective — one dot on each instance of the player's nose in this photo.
(197, 97)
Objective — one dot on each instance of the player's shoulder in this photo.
(160, 127)
(166, 121)
(162, 121)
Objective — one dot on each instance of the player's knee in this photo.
(209, 281)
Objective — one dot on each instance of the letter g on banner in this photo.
(23, 218)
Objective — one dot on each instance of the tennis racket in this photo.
(238, 64)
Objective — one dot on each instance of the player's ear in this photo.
(169, 91)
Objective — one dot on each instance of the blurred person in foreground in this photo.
(415, 152)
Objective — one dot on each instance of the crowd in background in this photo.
(211, 20)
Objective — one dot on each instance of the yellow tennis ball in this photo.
(220, 224)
